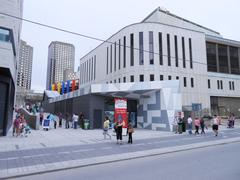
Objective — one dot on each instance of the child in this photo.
(130, 131)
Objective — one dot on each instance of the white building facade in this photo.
(165, 47)
(10, 30)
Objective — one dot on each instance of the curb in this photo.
(65, 165)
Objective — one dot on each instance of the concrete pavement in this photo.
(69, 137)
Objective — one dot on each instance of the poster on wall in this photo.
(120, 114)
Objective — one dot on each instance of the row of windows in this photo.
(88, 70)
(220, 84)
(113, 50)
(151, 78)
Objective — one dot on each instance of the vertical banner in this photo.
(120, 114)
(59, 87)
(73, 85)
(63, 86)
(68, 86)
(53, 87)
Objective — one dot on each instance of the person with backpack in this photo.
(130, 131)
(106, 127)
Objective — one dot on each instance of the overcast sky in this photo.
(102, 18)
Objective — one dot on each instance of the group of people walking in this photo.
(20, 126)
(118, 128)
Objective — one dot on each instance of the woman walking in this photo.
(197, 125)
(106, 127)
(130, 132)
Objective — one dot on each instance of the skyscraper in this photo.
(60, 58)
(25, 66)
(10, 30)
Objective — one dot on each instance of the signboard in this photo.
(196, 106)
(46, 124)
(120, 114)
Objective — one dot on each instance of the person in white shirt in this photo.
(189, 120)
(75, 121)
(215, 125)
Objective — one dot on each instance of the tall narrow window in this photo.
(169, 77)
(151, 50)
(111, 59)
(161, 77)
(176, 50)
(190, 53)
(115, 56)
(124, 51)
(151, 77)
(141, 78)
(87, 73)
(89, 70)
(168, 50)
(233, 88)
(177, 77)
(209, 84)
(192, 82)
(119, 54)
(230, 85)
(218, 84)
(160, 48)
(107, 61)
(131, 49)
(184, 81)
(141, 52)
(183, 53)
(221, 84)
(95, 57)
(132, 78)
(92, 71)
(119, 80)
(124, 79)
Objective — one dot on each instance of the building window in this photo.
(115, 56)
(151, 77)
(168, 50)
(223, 58)
(119, 54)
(160, 48)
(93, 69)
(218, 84)
(115, 81)
(151, 50)
(209, 84)
(141, 78)
(131, 49)
(177, 77)
(169, 77)
(176, 50)
(124, 79)
(192, 82)
(95, 59)
(161, 77)
(119, 80)
(230, 85)
(234, 63)
(233, 87)
(107, 60)
(132, 78)
(190, 52)
(111, 59)
(124, 51)
(184, 81)
(141, 49)
(183, 53)
(4, 35)
(211, 57)
(110, 82)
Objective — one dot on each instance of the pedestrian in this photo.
(75, 121)
(81, 119)
(67, 120)
(215, 125)
(119, 126)
(41, 117)
(197, 125)
(202, 124)
(55, 124)
(130, 132)
(189, 120)
(60, 119)
(106, 127)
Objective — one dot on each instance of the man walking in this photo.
(106, 127)
(189, 124)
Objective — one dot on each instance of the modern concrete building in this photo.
(24, 74)
(162, 65)
(61, 57)
(10, 30)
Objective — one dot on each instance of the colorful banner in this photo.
(63, 86)
(68, 86)
(59, 87)
(73, 85)
(120, 114)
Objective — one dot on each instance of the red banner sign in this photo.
(120, 114)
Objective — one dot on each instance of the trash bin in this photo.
(86, 124)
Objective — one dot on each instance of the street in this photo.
(220, 162)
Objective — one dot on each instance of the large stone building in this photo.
(61, 57)
(24, 74)
(162, 65)
(10, 30)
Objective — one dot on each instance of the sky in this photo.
(103, 18)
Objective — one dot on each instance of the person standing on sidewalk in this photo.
(202, 124)
(75, 121)
(130, 132)
(197, 125)
(189, 120)
(106, 127)
(119, 126)
(215, 125)
(175, 124)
